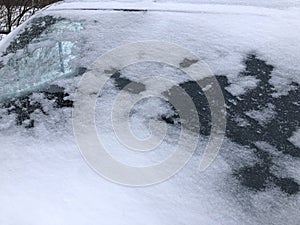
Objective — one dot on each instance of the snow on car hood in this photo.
(254, 55)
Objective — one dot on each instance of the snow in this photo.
(270, 3)
(242, 29)
(45, 180)
(240, 85)
(295, 139)
(264, 115)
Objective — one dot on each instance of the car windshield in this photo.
(155, 83)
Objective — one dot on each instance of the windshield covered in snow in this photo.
(254, 56)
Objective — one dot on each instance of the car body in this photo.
(253, 52)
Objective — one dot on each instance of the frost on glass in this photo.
(42, 52)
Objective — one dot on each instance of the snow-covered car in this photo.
(250, 48)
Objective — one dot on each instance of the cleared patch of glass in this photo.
(41, 59)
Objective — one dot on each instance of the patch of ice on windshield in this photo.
(295, 139)
(146, 110)
(242, 122)
(148, 70)
(286, 166)
(268, 148)
(263, 116)
(240, 85)
(35, 58)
